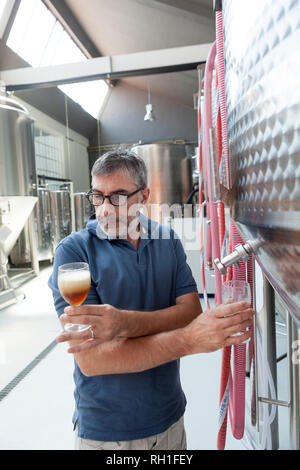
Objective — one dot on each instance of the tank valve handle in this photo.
(240, 253)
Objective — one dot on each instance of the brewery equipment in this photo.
(17, 176)
(60, 214)
(169, 175)
(83, 210)
(43, 225)
(263, 104)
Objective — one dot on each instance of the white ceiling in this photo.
(125, 26)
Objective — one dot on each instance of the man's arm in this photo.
(109, 322)
(186, 309)
(206, 333)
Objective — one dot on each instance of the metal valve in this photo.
(240, 253)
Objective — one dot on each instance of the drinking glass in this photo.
(236, 291)
(74, 282)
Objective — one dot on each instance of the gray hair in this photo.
(123, 160)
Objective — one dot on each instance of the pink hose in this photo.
(221, 86)
(237, 411)
(251, 344)
(236, 382)
(232, 388)
(212, 205)
(201, 202)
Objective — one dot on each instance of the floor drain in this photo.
(16, 380)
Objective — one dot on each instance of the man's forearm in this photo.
(139, 323)
(130, 355)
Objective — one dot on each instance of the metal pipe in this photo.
(275, 402)
(33, 245)
(254, 403)
(294, 374)
(270, 341)
(240, 253)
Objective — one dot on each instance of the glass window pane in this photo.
(67, 52)
(2, 7)
(31, 31)
(21, 24)
(90, 95)
(52, 44)
(40, 39)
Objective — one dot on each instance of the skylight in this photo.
(2, 7)
(40, 39)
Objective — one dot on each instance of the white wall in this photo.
(122, 120)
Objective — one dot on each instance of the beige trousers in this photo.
(173, 438)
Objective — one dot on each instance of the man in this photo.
(144, 312)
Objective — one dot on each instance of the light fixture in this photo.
(149, 116)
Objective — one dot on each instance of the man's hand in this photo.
(213, 330)
(107, 323)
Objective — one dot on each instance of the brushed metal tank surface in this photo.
(262, 70)
(61, 215)
(169, 172)
(17, 155)
(83, 210)
(44, 225)
(17, 166)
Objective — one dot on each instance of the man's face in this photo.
(115, 220)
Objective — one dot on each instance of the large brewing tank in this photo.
(169, 173)
(17, 156)
(17, 160)
(263, 120)
(61, 215)
(83, 210)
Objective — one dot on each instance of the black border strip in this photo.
(16, 380)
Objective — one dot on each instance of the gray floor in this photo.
(36, 414)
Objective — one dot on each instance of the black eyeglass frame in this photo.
(105, 196)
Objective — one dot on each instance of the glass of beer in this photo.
(236, 291)
(74, 282)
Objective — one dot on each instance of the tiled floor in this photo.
(37, 412)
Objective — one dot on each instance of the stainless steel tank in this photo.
(17, 156)
(263, 118)
(43, 225)
(17, 165)
(83, 210)
(169, 172)
(60, 215)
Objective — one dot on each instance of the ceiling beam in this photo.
(190, 6)
(118, 66)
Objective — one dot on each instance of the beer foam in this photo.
(74, 280)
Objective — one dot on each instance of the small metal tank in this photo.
(60, 215)
(83, 210)
(44, 224)
(169, 172)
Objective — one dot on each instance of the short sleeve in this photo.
(64, 254)
(185, 282)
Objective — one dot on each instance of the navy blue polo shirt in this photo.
(121, 407)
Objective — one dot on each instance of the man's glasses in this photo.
(97, 199)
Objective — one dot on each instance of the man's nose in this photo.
(106, 208)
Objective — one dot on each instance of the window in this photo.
(2, 7)
(48, 153)
(40, 39)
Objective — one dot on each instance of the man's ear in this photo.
(145, 195)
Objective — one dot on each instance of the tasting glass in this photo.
(74, 282)
(236, 291)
